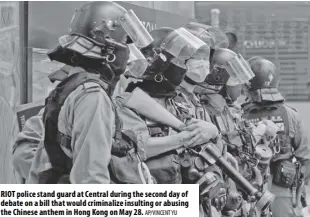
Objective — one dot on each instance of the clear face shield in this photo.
(135, 29)
(183, 45)
(239, 71)
(137, 64)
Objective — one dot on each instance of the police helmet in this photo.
(169, 52)
(218, 74)
(101, 31)
(265, 74)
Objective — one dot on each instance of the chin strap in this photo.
(190, 81)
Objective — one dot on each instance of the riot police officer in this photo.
(208, 89)
(220, 88)
(166, 70)
(28, 148)
(80, 106)
(290, 148)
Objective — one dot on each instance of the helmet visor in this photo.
(135, 29)
(184, 45)
(239, 71)
(137, 63)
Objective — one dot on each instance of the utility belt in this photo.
(126, 165)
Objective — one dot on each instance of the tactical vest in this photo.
(179, 107)
(281, 164)
(276, 112)
(223, 119)
(54, 140)
(166, 167)
(238, 140)
(192, 104)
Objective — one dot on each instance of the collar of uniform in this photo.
(75, 70)
(60, 74)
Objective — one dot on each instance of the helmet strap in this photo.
(215, 88)
(190, 81)
(108, 73)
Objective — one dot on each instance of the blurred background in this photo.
(278, 31)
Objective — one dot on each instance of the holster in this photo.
(284, 173)
(127, 169)
(126, 165)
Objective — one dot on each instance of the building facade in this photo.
(278, 31)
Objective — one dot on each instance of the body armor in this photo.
(123, 149)
(166, 168)
(237, 136)
(282, 167)
(276, 112)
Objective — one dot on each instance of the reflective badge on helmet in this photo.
(270, 77)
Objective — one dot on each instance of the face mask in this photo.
(234, 92)
(120, 63)
(197, 70)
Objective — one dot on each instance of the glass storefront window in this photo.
(9, 53)
(9, 86)
(41, 68)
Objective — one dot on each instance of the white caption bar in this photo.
(99, 200)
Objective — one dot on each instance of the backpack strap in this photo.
(53, 103)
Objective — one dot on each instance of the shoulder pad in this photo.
(91, 87)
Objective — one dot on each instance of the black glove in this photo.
(213, 191)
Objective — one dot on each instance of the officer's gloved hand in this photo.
(212, 188)
(204, 131)
(184, 138)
